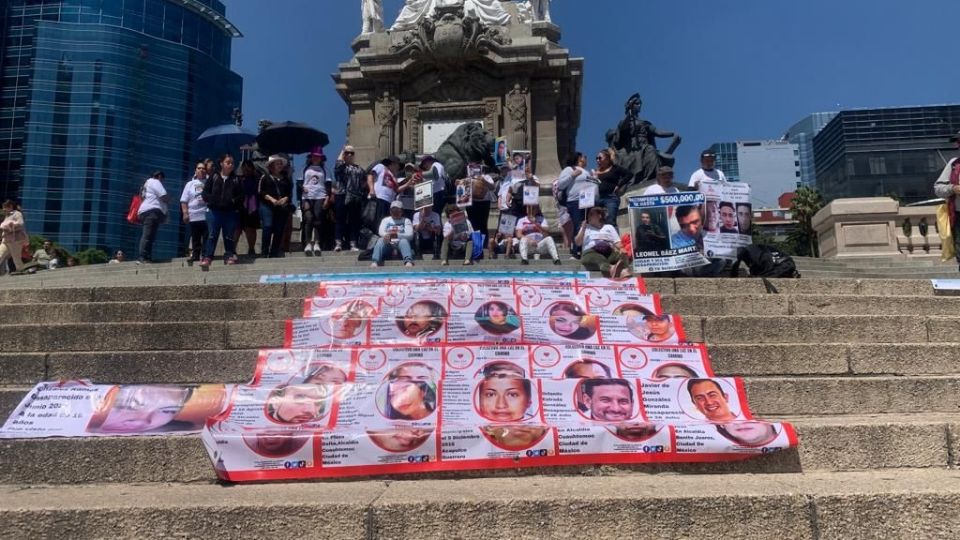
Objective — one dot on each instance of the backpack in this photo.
(765, 261)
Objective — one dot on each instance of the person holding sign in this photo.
(457, 233)
(533, 232)
(482, 189)
(427, 228)
(396, 233)
(434, 171)
(707, 170)
(602, 251)
(573, 179)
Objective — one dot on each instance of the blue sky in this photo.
(710, 70)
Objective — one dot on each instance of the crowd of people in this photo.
(373, 211)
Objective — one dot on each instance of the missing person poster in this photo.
(443, 374)
(667, 232)
(423, 195)
(728, 218)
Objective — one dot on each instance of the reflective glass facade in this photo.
(802, 134)
(96, 95)
(727, 160)
(883, 152)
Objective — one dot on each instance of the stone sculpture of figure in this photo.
(490, 12)
(372, 12)
(540, 9)
(635, 140)
(516, 105)
(386, 117)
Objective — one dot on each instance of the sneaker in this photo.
(316, 249)
(140, 261)
(231, 260)
(205, 264)
(337, 248)
(468, 263)
(557, 262)
(444, 263)
(308, 250)
(524, 262)
(374, 265)
(408, 264)
(353, 247)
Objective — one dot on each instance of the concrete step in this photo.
(887, 441)
(236, 366)
(910, 503)
(292, 307)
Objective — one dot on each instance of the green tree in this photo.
(804, 206)
(91, 256)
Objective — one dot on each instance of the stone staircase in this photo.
(867, 370)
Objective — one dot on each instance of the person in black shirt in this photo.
(613, 183)
(350, 181)
(223, 194)
(276, 193)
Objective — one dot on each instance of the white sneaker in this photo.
(337, 248)
(408, 264)
(316, 249)
(308, 250)
(373, 265)
(353, 247)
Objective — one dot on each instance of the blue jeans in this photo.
(273, 221)
(576, 218)
(221, 222)
(386, 249)
(612, 203)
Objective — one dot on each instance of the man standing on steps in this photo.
(710, 399)
(948, 187)
(707, 170)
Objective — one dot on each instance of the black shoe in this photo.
(557, 262)
(524, 262)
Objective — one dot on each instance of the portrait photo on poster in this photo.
(408, 392)
(131, 409)
(503, 396)
(422, 319)
(571, 321)
(496, 317)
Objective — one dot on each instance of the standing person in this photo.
(429, 164)
(602, 251)
(479, 212)
(947, 187)
(533, 232)
(194, 211)
(348, 186)
(276, 192)
(707, 170)
(396, 233)
(14, 234)
(153, 211)
(383, 185)
(573, 179)
(224, 197)
(614, 180)
(664, 185)
(316, 200)
(250, 212)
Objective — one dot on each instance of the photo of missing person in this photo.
(502, 368)
(157, 408)
(635, 431)
(570, 321)
(275, 443)
(690, 224)
(751, 434)
(409, 392)
(497, 318)
(710, 400)
(422, 319)
(745, 218)
(605, 400)
(649, 326)
(399, 439)
(502, 396)
(711, 215)
(728, 218)
(674, 370)
(587, 369)
(514, 436)
(297, 404)
(650, 232)
(350, 319)
(323, 373)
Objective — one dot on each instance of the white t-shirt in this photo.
(700, 175)
(591, 235)
(529, 231)
(153, 192)
(314, 184)
(433, 219)
(657, 189)
(503, 194)
(196, 206)
(385, 187)
(455, 242)
(403, 227)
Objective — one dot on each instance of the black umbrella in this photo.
(218, 140)
(291, 138)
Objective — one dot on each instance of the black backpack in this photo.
(765, 261)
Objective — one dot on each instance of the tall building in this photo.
(802, 134)
(98, 94)
(772, 168)
(883, 152)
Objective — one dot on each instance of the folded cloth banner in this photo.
(667, 232)
(727, 218)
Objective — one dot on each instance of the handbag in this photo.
(133, 212)
(602, 247)
(947, 250)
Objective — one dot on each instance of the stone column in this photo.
(411, 128)
(545, 96)
(517, 117)
(362, 127)
(387, 112)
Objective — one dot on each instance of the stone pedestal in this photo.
(849, 228)
(405, 90)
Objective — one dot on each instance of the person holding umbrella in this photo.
(276, 193)
(316, 200)
(223, 194)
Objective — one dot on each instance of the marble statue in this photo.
(489, 12)
(530, 11)
(372, 12)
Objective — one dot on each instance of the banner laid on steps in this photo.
(667, 232)
(83, 409)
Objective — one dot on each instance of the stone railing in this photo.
(877, 227)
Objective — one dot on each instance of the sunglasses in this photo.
(348, 153)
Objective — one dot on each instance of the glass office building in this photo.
(885, 152)
(727, 160)
(802, 134)
(96, 95)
